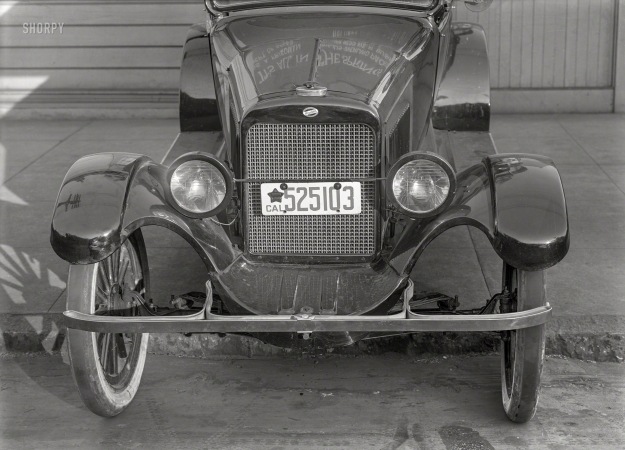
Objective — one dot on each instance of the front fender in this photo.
(88, 215)
(106, 196)
(517, 200)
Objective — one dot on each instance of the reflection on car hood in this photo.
(347, 53)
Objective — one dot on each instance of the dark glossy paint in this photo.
(116, 193)
(203, 141)
(105, 197)
(515, 199)
(530, 216)
(373, 66)
(87, 222)
(463, 99)
(362, 57)
(198, 101)
(319, 289)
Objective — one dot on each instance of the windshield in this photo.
(231, 5)
(349, 53)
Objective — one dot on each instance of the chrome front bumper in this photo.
(404, 321)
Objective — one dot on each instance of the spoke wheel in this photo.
(107, 367)
(522, 351)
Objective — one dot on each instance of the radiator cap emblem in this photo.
(310, 111)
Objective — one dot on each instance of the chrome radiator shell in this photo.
(310, 152)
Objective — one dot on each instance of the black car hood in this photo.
(348, 53)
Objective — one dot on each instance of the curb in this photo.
(594, 338)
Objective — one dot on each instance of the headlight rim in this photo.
(210, 159)
(408, 157)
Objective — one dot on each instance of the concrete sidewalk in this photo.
(587, 289)
(387, 402)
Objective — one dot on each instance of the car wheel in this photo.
(107, 367)
(522, 351)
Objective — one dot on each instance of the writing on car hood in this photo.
(349, 53)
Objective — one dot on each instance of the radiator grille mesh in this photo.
(311, 152)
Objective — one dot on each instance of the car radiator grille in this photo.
(280, 152)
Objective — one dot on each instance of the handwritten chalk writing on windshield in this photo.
(364, 56)
(343, 33)
(296, 55)
(277, 57)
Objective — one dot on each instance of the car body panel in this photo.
(409, 78)
(116, 194)
(319, 289)
(504, 197)
(198, 99)
(527, 229)
(264, 58)
(463, 97)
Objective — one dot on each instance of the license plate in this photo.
(310, 199)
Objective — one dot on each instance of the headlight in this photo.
(200, 185)
(421, 184)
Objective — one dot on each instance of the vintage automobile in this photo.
(323, 146)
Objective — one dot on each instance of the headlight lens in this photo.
(420, 186)
(198, 186)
